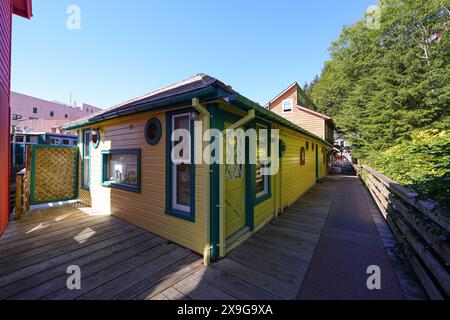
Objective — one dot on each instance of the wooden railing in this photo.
(418, 226)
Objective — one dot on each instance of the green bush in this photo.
(422, 164)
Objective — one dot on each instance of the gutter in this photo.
(244, 103)
(144, 107)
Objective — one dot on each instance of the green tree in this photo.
(382, 83)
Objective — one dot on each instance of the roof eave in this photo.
(207, 92)
(241, 101)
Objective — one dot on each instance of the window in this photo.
(35, 110)
(122, 169)
(287, 105)
(20, 139)
(307, 146)
(95, 138)
(66, 142)
(86, 159)
(55, 141)
(262, 162)
(181, 177)
(66, 116)
(153, 131)
(302, 156)
(32, 140)
(52, 113)
(313, 147)
(180, 173)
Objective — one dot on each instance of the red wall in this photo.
(5, 67)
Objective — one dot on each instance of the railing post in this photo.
(28, 178)
(19, 196)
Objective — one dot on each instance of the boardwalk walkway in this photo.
(319, 249)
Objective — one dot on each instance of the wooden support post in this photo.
(27, 184)
(19, 196)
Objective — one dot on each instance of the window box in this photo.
(122, 169)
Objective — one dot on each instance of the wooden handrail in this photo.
(417, 224)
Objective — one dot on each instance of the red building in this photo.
(7, 9)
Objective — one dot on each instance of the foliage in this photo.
(422, 164)
(383, 84)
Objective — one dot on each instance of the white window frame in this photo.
(283, 107)
(175, 205)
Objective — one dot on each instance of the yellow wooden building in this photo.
(126, 167)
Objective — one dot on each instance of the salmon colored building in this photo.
(7, 9)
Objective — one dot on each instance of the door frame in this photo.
(218, 119)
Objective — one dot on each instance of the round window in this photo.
(95, 134)
(153, 131)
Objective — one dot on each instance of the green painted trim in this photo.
(209, 93)
(155, 140)
(317, 162)
(246, 104)
(217, 122)
(33, 200)
(188, 216)
(96, 145)
(267, 195)
(123, 186)
(83, 185)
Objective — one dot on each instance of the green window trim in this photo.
(128, 187)
(188, 216)
(268, 195)
(153, 141)
(97, 144)
(85, 185)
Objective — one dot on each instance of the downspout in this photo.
(249, 117)
(206, 117)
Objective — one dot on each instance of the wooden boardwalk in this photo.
(121, 261)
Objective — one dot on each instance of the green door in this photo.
(234, 194)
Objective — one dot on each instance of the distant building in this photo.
(30, 114)
(295, 105)
(343, 148)
(19, 142)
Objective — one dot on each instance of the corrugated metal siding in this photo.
(5, 43)
(5, 62)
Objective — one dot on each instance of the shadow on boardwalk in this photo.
(319, 248)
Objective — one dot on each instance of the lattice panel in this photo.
(54, 174)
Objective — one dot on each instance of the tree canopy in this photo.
(387, 86)
(383, 82)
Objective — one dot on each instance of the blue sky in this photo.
(128, 48)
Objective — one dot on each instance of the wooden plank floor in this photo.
(121, 261)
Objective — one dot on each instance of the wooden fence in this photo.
(418, 226)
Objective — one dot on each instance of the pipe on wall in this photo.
(206, 117)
